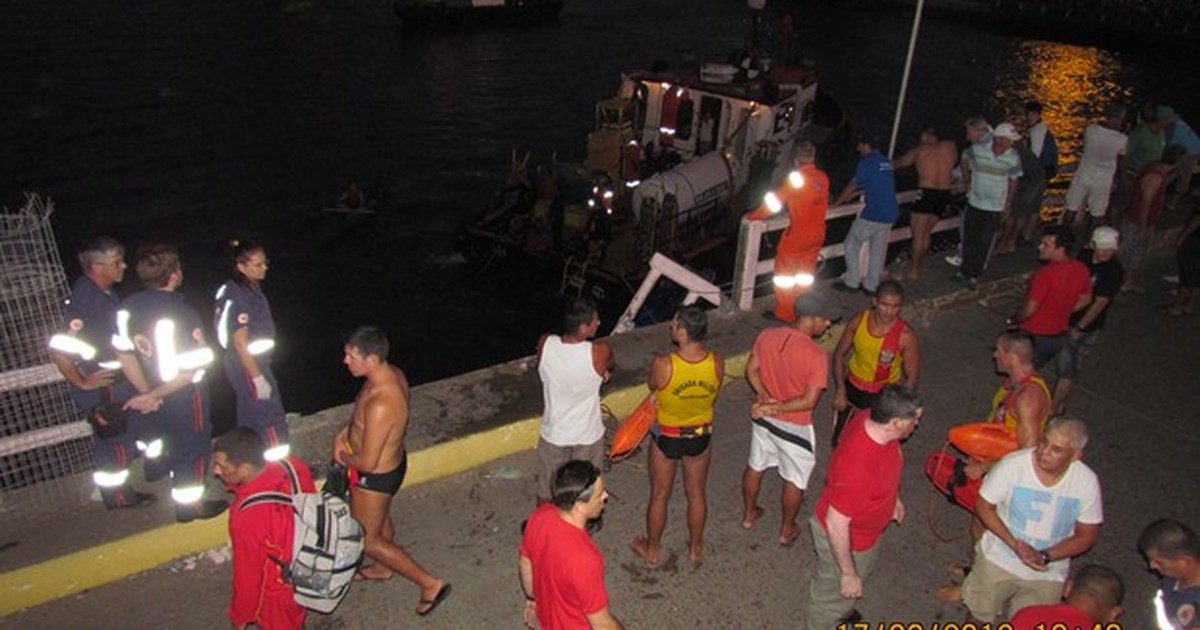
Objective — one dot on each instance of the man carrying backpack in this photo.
(262, 534)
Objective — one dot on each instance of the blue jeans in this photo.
(876, 236)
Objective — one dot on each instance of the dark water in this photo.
(192, 121)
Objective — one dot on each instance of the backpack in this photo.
(327, 544)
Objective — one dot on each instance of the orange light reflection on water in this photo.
(1074, 84)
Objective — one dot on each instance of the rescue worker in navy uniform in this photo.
(246, 331)
(163, 354)
(84, 355)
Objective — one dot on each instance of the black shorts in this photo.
(932, 201)
(388, 482)
(859, 398)
(676, 448)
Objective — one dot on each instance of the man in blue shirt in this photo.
(875, 178)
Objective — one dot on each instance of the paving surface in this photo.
(1138, 395)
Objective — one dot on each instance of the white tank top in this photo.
(571, 391)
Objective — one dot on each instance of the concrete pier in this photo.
(471, 484)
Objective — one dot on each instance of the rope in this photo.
(932, 520)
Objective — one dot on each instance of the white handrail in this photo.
(748, 266)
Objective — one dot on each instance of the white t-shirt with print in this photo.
(1039, 515)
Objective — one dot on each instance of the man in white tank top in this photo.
(572, 369)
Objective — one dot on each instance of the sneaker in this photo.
(200, 511)
(954, 260)
(1174, 279)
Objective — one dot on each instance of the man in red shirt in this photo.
(788, 371)
(1091, 598)
(861, 497)
(561, 569)
(1061, 287)
(261, 534)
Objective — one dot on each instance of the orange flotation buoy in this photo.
(985, 441)
(634, 429)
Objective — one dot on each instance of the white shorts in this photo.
(1091, 187)
(782, 446)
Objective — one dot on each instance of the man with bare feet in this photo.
(934, 159)
(687, 382)
(877, 348)
(788, 371)
(861, 498)
(371, 446)
(561, 569)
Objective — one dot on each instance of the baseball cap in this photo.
(1105, 238)
(816, 304)
(1006, 130)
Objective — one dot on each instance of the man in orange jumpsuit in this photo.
(806, 195)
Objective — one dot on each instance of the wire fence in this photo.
(41, 435)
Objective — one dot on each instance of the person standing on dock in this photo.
(246, 331)
(687, 382)
(806, 195)
(83, 353)
(877, 348)
(371, 446)
(861, 498)
(572, 369)
(934, 159)
(788, 371)
(1103, 145)
(991, 170)
(162, 350)
(876, 179)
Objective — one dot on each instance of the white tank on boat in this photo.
(695, 184)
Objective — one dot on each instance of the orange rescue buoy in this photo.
(634, 429)
(985, 441)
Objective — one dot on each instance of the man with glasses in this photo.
(83, 353)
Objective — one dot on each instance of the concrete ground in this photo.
(1137, 395)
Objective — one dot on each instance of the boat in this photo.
(422, 13)
(675, 159)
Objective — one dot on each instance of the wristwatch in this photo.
(1046, 559)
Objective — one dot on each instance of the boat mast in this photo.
(912, 46)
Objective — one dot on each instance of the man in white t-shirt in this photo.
(1103, 145)
(572, 369)
(1041, 507)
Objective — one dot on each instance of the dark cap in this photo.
(817, 304)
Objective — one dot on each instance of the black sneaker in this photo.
(200, 511)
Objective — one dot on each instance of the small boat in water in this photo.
(676, 157)
(469, 12)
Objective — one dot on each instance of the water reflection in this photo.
(1074, 84)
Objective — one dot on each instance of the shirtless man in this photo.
(934, 159)
(372, 447)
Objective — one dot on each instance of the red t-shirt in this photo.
(260, 533)
(1047, 616)
(568, 570)
(789, 363)
(863, 483)
(1057, 287)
